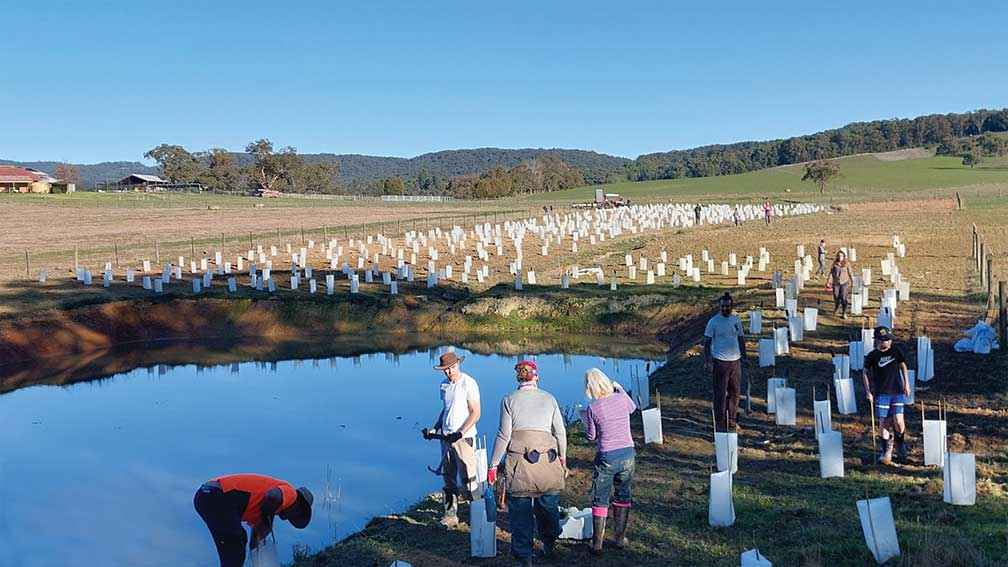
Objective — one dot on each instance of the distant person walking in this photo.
(226, 502)
(607, 422)
(839, 280)
(887, 383)
(696, 213)
(767, 211)
(532, 444)
(724, 349)
(821, 257)
(456, 428)
(737, 215)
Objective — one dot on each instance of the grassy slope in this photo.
(782, 506)
(860, 174)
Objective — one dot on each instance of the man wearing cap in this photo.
(456, 427)
(886, 382)
(227, 501)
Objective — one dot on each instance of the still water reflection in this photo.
(103, 473)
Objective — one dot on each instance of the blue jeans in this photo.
(613, 473)
(526, 515)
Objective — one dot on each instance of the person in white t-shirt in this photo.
(456, 428)
(724, 349)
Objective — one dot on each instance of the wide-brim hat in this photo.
(448, 360)
(302, 516)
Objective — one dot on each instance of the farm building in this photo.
(141, 181)
(16, 179)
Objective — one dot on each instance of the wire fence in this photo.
(126, 252)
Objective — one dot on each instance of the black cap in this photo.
(302, 516)
(883, 334)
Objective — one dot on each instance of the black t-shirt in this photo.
(883, 369)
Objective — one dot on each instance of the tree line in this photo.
(855, 138)
(974, 149)
(267, 168)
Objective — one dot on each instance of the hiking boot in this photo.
(598, 535)
(885, 456)
(450, 517)
(621, 518)
(902, 452)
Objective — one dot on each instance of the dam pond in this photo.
(103, 472)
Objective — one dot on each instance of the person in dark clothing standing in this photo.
(227, 501)
(839, 280)
(696, 213)
(821, 257)
(724, 350)
(886, 382)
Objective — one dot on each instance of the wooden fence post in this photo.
(27, 261)
(76, 257)
(990, 275)
(115, 251)
(1002, 316)
(157, 252)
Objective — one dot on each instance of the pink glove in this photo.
(492, 476)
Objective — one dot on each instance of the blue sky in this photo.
(97, 81)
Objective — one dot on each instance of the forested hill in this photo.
(855, 138)
(355, 169)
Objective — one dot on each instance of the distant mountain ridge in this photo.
(356, 168)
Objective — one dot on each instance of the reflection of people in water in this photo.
(227, 501)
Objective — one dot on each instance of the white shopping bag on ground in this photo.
(960, 479)
(753, 558)
(879, 528)
(726, 451)
(721, 509)
(577, 524)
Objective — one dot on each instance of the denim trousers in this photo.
(612, 477)
(526, 516)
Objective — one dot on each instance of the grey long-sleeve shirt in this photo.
(529, 408)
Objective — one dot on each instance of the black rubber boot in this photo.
(598, 535)
(621, 518)
(450, 517)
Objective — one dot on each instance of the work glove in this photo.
(492, 475)
(453, 437)
(427, 434)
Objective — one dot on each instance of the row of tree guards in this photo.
(983, 263)
(120, 252)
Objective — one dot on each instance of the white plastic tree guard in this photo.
(823, 418)
(755, 322)
(796, 328)
(767, 352)
(841, 366)
(726, 451)
(811, 319)
(652, 425)
(785, 406)
(791, 306)
(846, 403)
(935, 442)
(753, 558)
(721, 508)
(960, 479)
(879, 528)
(779, 295)
(925, 359)
(782, 346)
(771, 387)
(856, 355)
(867, 341)
(831, 462)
